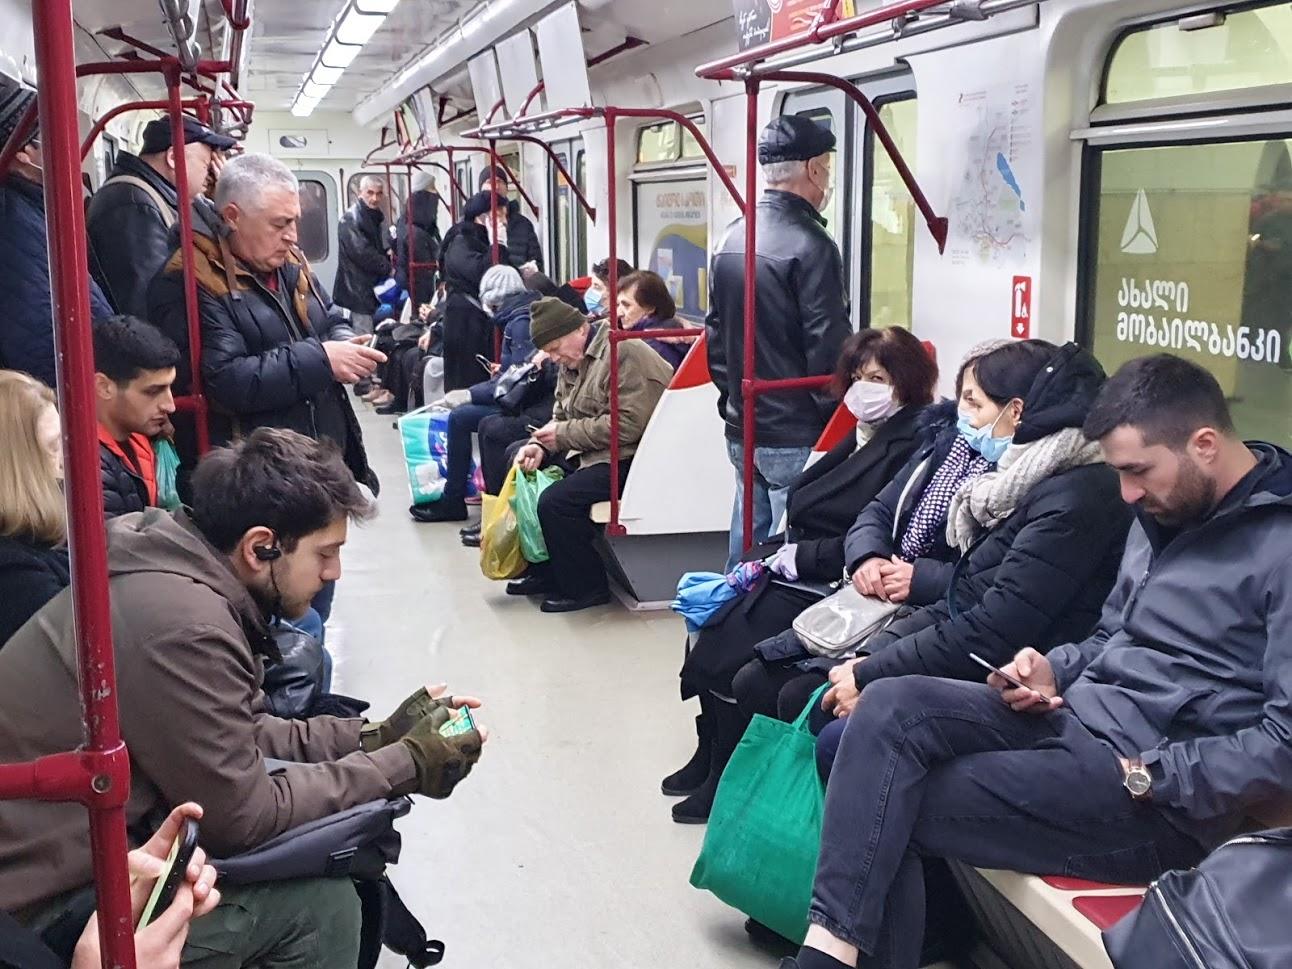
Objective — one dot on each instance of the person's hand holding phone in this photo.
(351, 360)
(1036, 689)
(545, 435)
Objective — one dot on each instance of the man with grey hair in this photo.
(275, 350)
(800, 313)
(363, 260)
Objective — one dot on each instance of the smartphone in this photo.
(461, 722)
(1005, 676)
(181, 853)
(530, 428)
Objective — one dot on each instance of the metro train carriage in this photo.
(1112, 178)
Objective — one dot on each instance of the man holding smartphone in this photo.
(1116, 758)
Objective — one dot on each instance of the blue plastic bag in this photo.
(701, 594)
(424, 434)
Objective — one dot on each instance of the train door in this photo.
(1187, 205)
(670, 213)
(567, 252)
(319, 214)
(462, 172)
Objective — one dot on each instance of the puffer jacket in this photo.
(128, 486)
(425, 248)
(263, 361)
(27, 328)
(129, 234)
(517, 346)
(522, 239)
(361, 262)
(802, 319)
(31, 573)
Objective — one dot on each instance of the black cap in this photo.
(157, 136)
(479, 204)
(14, 102)
(792, 137)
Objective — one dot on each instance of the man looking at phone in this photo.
(192, 597)
(1132, 752)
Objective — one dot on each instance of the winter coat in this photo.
(362, 262)
(27, 327)
(30, 575)
(190, 647)
(582, 411)
(522, 239)
(801, 318)
(1191, 666)
(467, 329)
(127, 485)
(825, 499)
(673, 353)
(129, 234)
(263, 362)
(465, 255)
(871, 536)
(425, 249)
(517, 347)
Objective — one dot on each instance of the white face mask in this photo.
(870, 402)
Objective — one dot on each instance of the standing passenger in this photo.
(465, 256)
(523, 247)
(363, 261)
(801, 315)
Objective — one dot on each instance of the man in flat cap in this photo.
(130, 217)
(800, 312)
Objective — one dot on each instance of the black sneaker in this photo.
(444, 510)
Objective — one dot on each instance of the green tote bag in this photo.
(764, 832)
(529, 485)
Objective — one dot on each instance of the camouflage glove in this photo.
(441, 761)
(409, 714)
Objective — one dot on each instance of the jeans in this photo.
(775, 469)
(463, 422)
(944, 769)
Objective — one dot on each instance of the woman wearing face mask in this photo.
(886, 379)
(597, 298)
(33, 530)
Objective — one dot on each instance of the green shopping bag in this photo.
(760, 848)
(529, 485)
(167, 461)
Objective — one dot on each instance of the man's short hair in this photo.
(278, 479)
(1165, 397)
(126, 346)
(780, 172)
(497, 173)
(373, 180)
(602, 270)
(244, 179)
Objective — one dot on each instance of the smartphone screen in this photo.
(461, 722)
(181, 853)
(1004, 676)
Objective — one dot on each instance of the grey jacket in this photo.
(1191, 665)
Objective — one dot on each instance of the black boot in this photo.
(444, 510)
(728, 727)
(690, 778)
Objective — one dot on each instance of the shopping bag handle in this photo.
(801, 722)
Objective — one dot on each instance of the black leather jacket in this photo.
(801, 313)
(362, 262)
(129, 238)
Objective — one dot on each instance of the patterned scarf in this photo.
(961, 463)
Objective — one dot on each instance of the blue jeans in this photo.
(944, 769)
(775, 469)
(463, 422)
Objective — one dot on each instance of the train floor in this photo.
(559, 849)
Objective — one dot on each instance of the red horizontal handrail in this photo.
(120, 109)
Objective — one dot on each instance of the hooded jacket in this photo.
(129, 234)
(361, 261)
(425, 248)
(30, 575)
(801, 318)
(263, 361)
(1191, 666)
(190, 644)
(1040, 577)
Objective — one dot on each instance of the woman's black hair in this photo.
(908, 362)
(1008, 372)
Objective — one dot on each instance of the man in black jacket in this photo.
(522, 239)
(130, 218)
(275, 350)
(466, 255)
(363, 261)
(801, 315)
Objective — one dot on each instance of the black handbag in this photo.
(514, 384)
(294, 684)
(1228, 913)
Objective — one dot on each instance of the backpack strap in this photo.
(168, 217)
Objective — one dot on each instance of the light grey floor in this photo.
(559, 850)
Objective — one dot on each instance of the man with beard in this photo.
(192, 598)
(1116, 758)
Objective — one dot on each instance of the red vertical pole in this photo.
(390, 196)
(612, 208)
(70, 292)
(493, 221)
(453, 187)
(175, 110)
(408, 240)
(748, 395)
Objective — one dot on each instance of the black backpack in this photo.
(1231, 912)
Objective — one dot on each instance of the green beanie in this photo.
(550, 319)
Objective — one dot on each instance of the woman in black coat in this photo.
(886, 378)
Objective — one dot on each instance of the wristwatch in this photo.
(1138, 781)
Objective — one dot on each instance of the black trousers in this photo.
(500, 437)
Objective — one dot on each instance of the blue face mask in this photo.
(980, 439)
(592, 300)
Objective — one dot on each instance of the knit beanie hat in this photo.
(478, 205)
(498, 284)
(550, 319)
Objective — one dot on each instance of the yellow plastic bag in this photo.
(500, 553)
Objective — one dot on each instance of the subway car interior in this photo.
(1105, 180)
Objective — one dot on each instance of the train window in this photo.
(580, 216)
(691, 147)
(511, 160)
(891, 219)
(1203, 54)
(659, 143)
(314, 224)
(1192, 254)
(561, 253)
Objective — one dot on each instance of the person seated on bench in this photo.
(192, 595)
(597, 297)
(577, 440)
(1133, 751)
(646, 304)
(886, 379)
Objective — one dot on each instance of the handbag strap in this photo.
(801, 722)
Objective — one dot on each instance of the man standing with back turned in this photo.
(801, 316)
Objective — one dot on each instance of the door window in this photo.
(315, 223)
(892, 218)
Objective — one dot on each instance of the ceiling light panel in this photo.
(353, 27)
